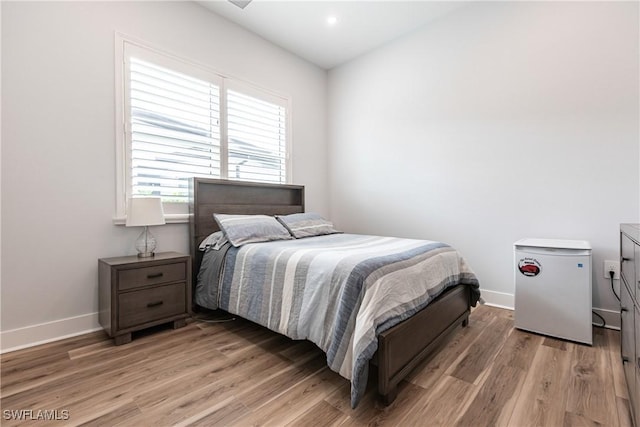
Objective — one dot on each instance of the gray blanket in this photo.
(338, 291)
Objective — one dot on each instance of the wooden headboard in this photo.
(209, 196)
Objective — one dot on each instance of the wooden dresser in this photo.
(630, 313)
(136, 293)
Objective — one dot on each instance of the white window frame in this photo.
(124, 46)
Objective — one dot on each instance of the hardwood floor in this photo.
(237, 373)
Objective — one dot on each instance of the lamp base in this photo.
(146, 255)
(146, 244)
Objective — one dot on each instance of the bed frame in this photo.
(401, 348)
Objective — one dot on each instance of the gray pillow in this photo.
(307, 224)
(242, 229)
(214, 241)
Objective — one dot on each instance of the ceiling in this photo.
(301, 27)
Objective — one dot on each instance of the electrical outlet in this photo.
(612, 265)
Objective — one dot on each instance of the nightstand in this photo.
(136, 293)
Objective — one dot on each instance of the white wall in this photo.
(58, 159)
(500, 121)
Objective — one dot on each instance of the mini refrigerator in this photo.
(553, 288)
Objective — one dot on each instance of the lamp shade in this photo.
(144, 211)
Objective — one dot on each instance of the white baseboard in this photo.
(504, 300)
(29, 336)
(43, 333)
(611, 317)
(498, 299)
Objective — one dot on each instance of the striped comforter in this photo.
(339, 291)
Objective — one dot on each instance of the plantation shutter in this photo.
(257, 138)
(175, 131)
(182, 119)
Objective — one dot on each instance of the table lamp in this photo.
(143, 212)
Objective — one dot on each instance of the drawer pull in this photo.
(155, 304)
(625, 259)
(625, 359)
(154, 276)
(623, 309)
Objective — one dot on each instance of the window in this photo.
(174, 130)
(182, 120)
(257, 141)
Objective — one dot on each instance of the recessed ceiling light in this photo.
(332, 20)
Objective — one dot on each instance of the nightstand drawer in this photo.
(147, 305)
(139, 277)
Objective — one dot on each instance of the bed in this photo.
(393, 346)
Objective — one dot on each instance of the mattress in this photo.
(338, 291)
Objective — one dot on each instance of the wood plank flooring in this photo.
(239, 374)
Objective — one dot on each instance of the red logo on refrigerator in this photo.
(529, 267)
